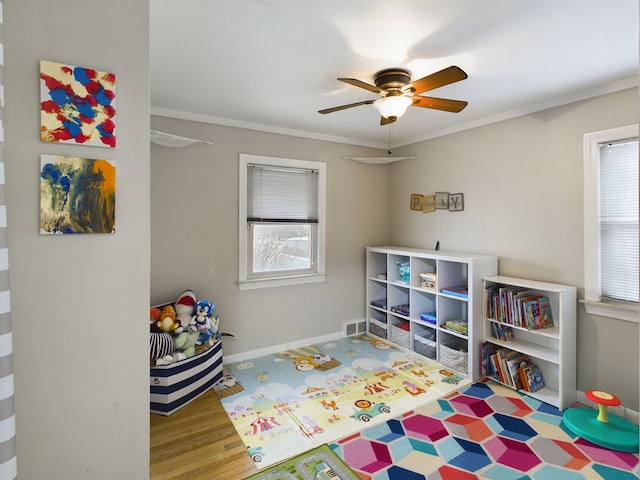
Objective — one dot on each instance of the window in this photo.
(282, 206)
(611, 222)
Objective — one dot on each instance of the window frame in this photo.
(593, 301)
(245, 257)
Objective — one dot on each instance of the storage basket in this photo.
(400, 336)
(453, 355)
(377, 328)
(427, 333)
(424, 347)
(175, 385)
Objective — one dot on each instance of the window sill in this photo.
(281, 282)
(612, 310)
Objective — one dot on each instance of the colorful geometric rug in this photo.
(481, 431)
(290, 402)
(319, 463)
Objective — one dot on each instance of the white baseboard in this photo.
(623, 412)
(241, 357)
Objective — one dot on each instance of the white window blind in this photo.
(618, 221)
(281, 209)
(281, 194)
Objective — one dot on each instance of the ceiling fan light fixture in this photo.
(393, 106)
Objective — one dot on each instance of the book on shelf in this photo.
(490, 294)
(517, 306)
(545, 312)
(379, 303)
(429, 317)
(515, 361)
(502, 332)
(484, 359)
(532, 312)
(494, 358)
(510, 367)
(507, 301)
(523, 379)
(539, 314)
(401, 309)
(461, 291)
(519, 300)
(459, 326)
(496, 369)
(533, 377)
(502, 365)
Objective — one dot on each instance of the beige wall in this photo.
(522, 182)
(79, 302)
(522, 185)
(194, 233)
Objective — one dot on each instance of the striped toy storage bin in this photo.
(175, 385)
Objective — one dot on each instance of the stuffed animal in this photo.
(215, 332)
(185, 307)
(203, 322)
(160, 345)
(154, 318)
(184, 346)
(167, 322)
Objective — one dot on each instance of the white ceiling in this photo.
(272, 64)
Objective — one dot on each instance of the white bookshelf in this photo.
(386, 291)
(552, 349)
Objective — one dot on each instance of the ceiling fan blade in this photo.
(359, 83)
(344, 107)
(444, 104)
(435, 80)
(387, 121)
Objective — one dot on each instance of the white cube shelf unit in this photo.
(418, 313)
(553, 350)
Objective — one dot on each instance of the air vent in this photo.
(355, 328)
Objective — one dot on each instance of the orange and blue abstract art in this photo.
(77, 105)
(77, 195)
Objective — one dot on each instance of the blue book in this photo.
(534, 378)
(461, 291)
(429, 317)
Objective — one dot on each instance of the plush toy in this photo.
(154, 318)
(185, 307)
(168, 322)
(203, 322)
(215, 332)
(160, 345)
(186, 344)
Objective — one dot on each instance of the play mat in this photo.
(289, 402)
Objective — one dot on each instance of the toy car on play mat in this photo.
(368, 410)
(255, 453)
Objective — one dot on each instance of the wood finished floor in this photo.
(198, 442)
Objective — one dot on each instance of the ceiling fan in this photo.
(397, 92)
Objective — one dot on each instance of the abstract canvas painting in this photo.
(77, 195)
(77, 105)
